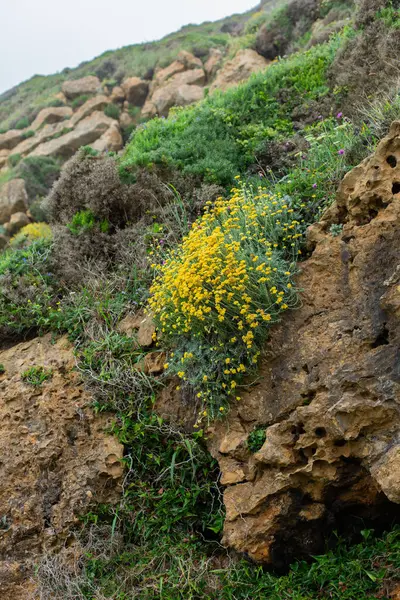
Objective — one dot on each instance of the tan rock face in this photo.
(213, 62)
(10, 139)
(13, 199)
(111, 140)
(135, 90)
(45, 133)
(79, 87)
(238, 69)
(16, 222)
(90, 106)
(86, 132)
(117, 95)
(328, 396)
(51, 115)
(56, 458)
(4, 154)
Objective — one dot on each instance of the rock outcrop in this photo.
(10, 139)
(135, 91)
(80, 87)
(13, 199)
(328, 394)
(89, 107)
(179, 84)
(86, 132)
(238, 69)
(51, 115)
(56, 458)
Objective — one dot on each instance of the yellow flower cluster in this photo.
(30, 233)
(224, 273)
(221, 289)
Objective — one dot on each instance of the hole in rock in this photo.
(391, 161)
(320, 432)
(382, 339)
(396, 187)
(339, 443)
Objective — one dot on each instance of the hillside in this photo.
(199, 325)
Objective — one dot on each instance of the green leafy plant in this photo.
(112, 111)
(37, 375)
(256, 439)
(2, 369)
(14, 159)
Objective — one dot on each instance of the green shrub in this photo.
(28, 134)
(22, 123)
(219, 137)
(84, 221)
(79, 101)
(39, 174)
(2, 369)
(14, 159)
(112, 111)
(37, 375)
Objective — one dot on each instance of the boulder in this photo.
(3, 241)
(11, 138)
(44, 134)
(125, 119)
(90, 106)
(17, 221)
(117, 95)
(171, 95)
(135, 90)
(111, 140)
(78, 87)
(238, 69)
(57, 458)
(51, 115)
(140, 325)
(213, 63)
(13, 199)
(4, 154)
(86, 132)
(185, 61)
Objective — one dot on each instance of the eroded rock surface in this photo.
(55, 459)
(238, 69)
(328, 396)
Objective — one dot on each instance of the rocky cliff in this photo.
(328, 392)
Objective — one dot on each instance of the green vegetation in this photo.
(22, 123)
(206, 228)
(220, 137)
(14, 159)
(256, 440)
(112, 111)
(2, 369)
(79, 101)
(37, 375)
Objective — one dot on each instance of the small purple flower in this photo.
(162, 242)
(314, 185)
(339, 115)
(320, 117)
(341, 151)
(304, 156)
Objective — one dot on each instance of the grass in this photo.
(36, 376)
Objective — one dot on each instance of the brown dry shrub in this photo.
(369, 64)
(291, 23)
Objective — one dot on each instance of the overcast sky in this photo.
(44, 36)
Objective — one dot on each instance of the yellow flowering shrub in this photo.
(217, 294)
(30, 233)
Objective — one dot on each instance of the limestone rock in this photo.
(135, 90)
(180, 90)
(141, 325)
(4, 154)
(56, 456)
(117, 95)
(238, 69)
(125, 119)
(86, 132)
(44, 134)
(13, 199)
(79, 87)
(185, 61)
(89, 107)
(16, 222)
(11, 138)
(3, 241)
(111, 140)
(213, 62)
(51, 115)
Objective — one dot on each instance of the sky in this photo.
(44, 36)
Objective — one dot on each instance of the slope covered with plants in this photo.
(199, 224)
